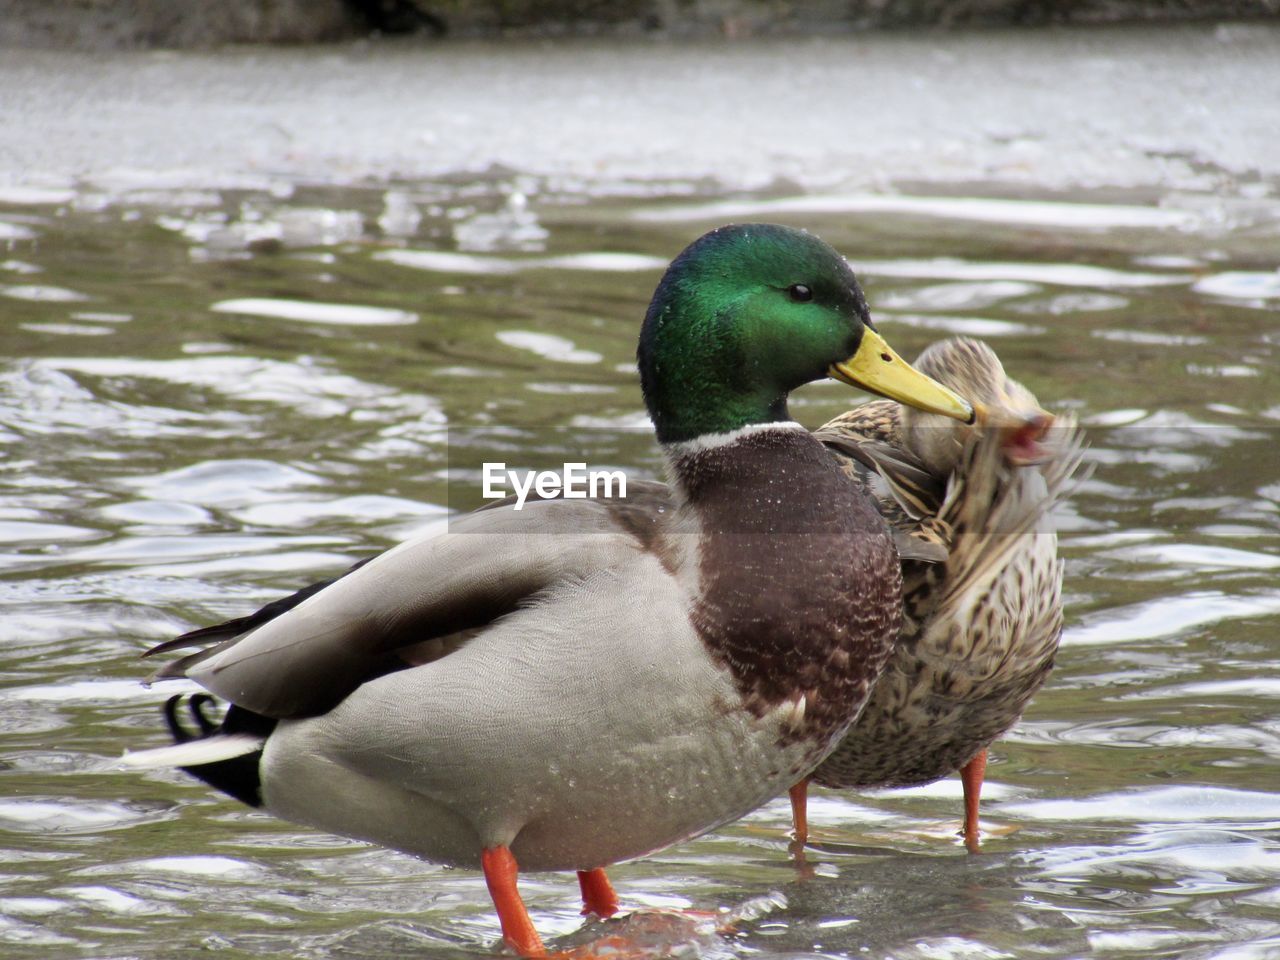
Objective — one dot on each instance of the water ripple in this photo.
(309, 311)
(1179, 804)
(1168, 617)
(188, 464)
(1082, 216)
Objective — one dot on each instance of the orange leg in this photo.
(800, 813)
(971, 775)
(598, 896)
(517, 929)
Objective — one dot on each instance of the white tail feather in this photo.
(193, 752)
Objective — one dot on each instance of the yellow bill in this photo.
(876, 368)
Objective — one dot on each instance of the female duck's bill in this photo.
(580, 682)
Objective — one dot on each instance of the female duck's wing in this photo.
(952, 532)
(993, 508)
(302, 655)
(867, 443)
(991, 615)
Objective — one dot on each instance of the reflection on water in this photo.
(209, 398)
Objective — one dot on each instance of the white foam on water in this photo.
(30, 531)
(1150, 337)
(441, 261)
(198, 866)
(111, 900)
(1174, 804)
(41, 293)
(70, 814)
(347, 314)
(1167, 617)
(1240, 285)
(964, 326)
(547, 346)
(223, 482)
(1045, 213)
(1061, 274)
(24, 196)
(363, 508)
(67, 329)
(603, 262)
(10, 232)
(1183, 555)
(97, 691)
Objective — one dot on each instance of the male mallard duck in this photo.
(585, 681)
(982, 584)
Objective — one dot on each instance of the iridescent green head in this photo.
(749, 312)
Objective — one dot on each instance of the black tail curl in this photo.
(237, 777)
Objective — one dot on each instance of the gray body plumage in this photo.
(561, 680)
(545, 751)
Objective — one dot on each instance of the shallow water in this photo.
(187, 433)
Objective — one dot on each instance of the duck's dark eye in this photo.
(800, 293)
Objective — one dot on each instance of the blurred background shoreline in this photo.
(145, 24)
(1144, 114)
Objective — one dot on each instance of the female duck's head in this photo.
(749, 312)
(971, 368)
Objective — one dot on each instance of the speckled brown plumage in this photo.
(980, 627)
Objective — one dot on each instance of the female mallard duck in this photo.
(982, 584)
(583, 681)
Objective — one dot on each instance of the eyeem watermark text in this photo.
(573, 482)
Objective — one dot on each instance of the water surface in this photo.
(209, 398)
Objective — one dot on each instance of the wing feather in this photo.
(301, 655)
